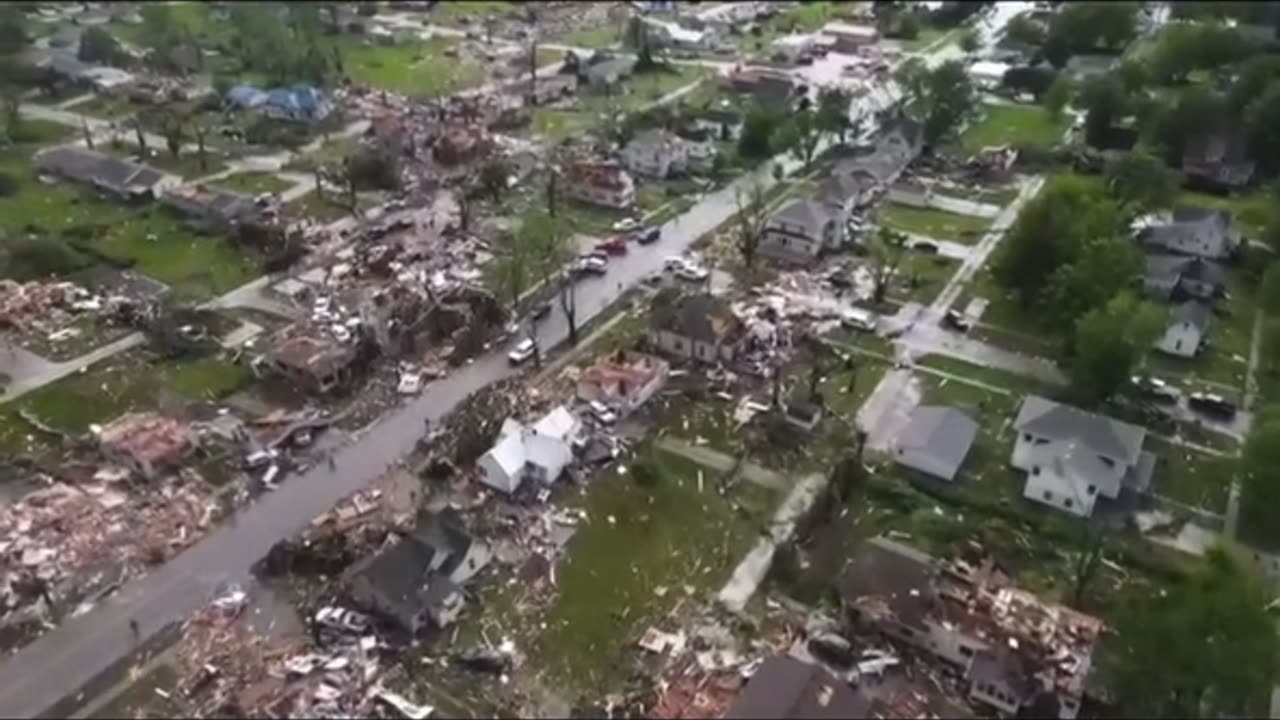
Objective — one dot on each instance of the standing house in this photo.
(416, 580)
(935, 441)
(600, 183)
(694, 327)
(146, 443)
(1187, 329)
(845, 193)
(605, 74)
(784, 687)
(1219, 159)
(125, 180)
(895, 148)
(911, 193)
(1174, 277)
(538, 454)
(1008, 646)
(1073, 457)
(1195, 231)
(624, 380)
(800, 230)
(656, 154)
(301, 103)
(212, 207)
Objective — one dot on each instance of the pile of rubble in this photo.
(63, 544)
(44, 307)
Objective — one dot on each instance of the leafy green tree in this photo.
(1105, 101)
(800, 133)
(969, 41)
(833, 112)
(887, 249)
(941, 98)
(97, 45)
(750, 221)
(1109, 343)
(1140, 182)
(1082, 27)
(758, 129)
(1183, 48)
(1102, 268)
(1024, 31)
(1254, 77)
(1058, 96)
(1228, 670)
(1262, 128)
(1269, 290)
(13, 31)
(1195, 111)
(1033, 80)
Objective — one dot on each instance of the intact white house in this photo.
(1073, 457)
(656, 154)
(539, 453)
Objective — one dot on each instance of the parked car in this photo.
(601, 412)
(521, 352)
(649, 236)
(1212, 404)
(612, 246)
(956, 320)
(1155, 389)
(625, 224)
(689, 271)
(540, 311)
(858, 319)
(924, 246)
(593, 264)
(673, 262)
(342, 619)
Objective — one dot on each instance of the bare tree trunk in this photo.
(142, 139)
(569, 304)
(88, 136)
(200, 132)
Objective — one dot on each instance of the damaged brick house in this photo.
(694, 327)
(415, 580)
(308, 356)
(1010, 647)
(623, 380)
(600, 183)
(147, 443)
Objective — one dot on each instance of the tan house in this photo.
(146, 443)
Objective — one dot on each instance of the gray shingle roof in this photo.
(808, 213)
(901, 576)
(1103, 435)
(784, 687)
(1194, 313)
(939, 437)
(699, 317)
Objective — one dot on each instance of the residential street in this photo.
(76, 653)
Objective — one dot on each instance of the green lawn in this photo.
(933, 223)
(254, 183)
(453, 13)
(186, 165)
(591, 110)
(131, 382)
(1004, 322)
(1192, 477)
(920, 277)
(643, 551)
(1014, 125)
(418, 69)
(597, 37)
(1017, 384)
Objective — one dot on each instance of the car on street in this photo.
(926, 247)
(593, 264)
(858, 319)
(673, 262)
(1212, 404)
(540, 311)
(649, 236)
(521, 352)
(612, 246)
(625, 224)
(956, 320)
(341, 619)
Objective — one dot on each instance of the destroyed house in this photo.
(600, 183)
(415, 580)
(146, 443)
(308, 356)
(784, 687)
(895, 148)
(545, 89)
(121, 178)
(624, 380)
(211, 207)
(694, 327)
(1007, 644)
(606, 73)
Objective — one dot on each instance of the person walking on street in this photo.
(133, 628)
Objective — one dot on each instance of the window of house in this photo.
(1035, 469)
(1070, 502)
(1093, 489)
(1177, 345)
(1048, 495)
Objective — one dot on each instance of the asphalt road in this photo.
(82, 649)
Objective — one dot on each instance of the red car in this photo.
(613, 246)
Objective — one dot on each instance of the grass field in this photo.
(1192, 477)
(933, 223)
(419, 69)
(254, 183)
(591, 110)
(1013, 125)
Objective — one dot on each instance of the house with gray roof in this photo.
(211, 207)
(694, 327)
(1188, 327)
(895, 148)
(416, 581)
(656, 153)
(846, 193)
(605, 74)
(123, 179)
(1177, 277)
(800, 230)
(784, 687)
(1201, 232)
(1073, 457)
(936, 441)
